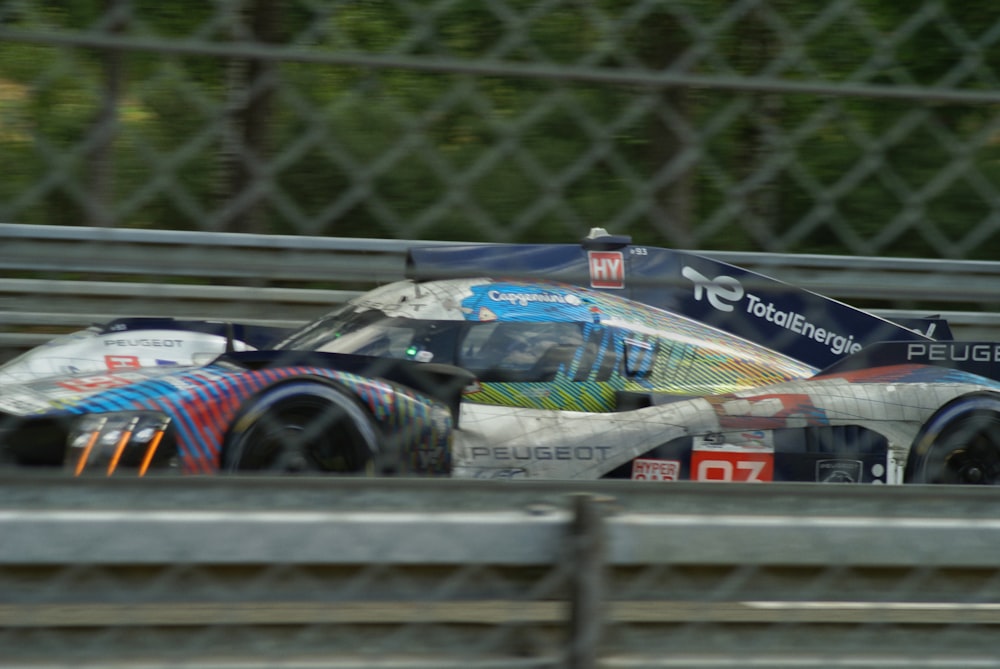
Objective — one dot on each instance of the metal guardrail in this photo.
(412, 574)
(61, 277)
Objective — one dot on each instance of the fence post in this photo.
(587, 544)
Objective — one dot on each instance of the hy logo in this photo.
(721, 292)
(607, 269)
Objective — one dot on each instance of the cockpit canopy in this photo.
(510, 331)
(521, 350)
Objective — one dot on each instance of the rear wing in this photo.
(804, 325)
(975, 357)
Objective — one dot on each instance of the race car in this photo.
(492, 378)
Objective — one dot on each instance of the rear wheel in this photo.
(302, 428)
(965, 451)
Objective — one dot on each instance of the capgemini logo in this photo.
(720, 292)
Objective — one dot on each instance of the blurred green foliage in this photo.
(402, 149)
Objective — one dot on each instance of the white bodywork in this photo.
(90, 351)
(506, 442)
(732, 436)
(503, 442)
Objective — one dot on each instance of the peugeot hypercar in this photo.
(668, 366)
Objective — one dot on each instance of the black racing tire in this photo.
(959, 446)
(303, 427)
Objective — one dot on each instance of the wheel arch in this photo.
(945, 419)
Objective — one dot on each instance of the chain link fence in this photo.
(846, 127)
(843, 127)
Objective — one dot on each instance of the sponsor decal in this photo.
(121, 361)
(724, 293)
(94, 383)
(953, 352)
(750, 441)
(607, 269)
(524, 299)
(720, 292)
(146, 343)
(594, 453)
(839, 471)
(648, 469)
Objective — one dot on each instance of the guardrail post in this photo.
(587, 581)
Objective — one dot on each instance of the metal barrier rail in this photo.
(246, 572)
(62, 277)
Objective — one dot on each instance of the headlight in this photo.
(113, 441)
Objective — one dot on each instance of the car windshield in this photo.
(482, 347)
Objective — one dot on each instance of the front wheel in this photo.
(303, 428)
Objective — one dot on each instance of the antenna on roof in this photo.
(602, 240)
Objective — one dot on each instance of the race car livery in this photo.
(481, 377)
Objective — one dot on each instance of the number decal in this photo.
(733, 466)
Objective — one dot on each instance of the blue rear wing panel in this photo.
(799, 323)
(974, 357)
